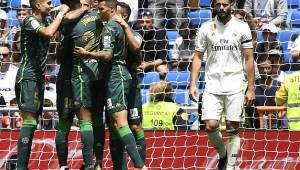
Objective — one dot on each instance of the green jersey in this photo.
(34, 49)
(113, 39)
(83, 33)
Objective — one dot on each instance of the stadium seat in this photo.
(181, 97)
(204, 3)
(178, 79)
(56, 2)
(149, 78)
(287, 57)
(199, 17)
(284, 38)
(294, 4)
(295, 19)
(13, 4)
(12, 18)
(145, 96)
(172, 35)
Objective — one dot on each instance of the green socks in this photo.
(129, 142)
(24, 143)
(87, 138)
(117, 152)
(141, 144)
(99, 140)
(61, 141)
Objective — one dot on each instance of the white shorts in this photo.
(214, 105)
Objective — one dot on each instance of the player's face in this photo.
(104, 11)
(44, 6)
(223, 8)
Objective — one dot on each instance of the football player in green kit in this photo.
(113, 50)
(37, 30)
(79, 87)
(133, 59)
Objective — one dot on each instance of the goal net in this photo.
(266, 141)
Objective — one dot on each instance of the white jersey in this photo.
(224, 71)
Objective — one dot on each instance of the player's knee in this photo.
(211, 125)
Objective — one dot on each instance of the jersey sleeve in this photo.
(108, 39)
(32, 25)
(246, 37)
(201, 40)
(138, 38)
(180, 120)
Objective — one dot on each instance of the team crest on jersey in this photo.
(35, 24)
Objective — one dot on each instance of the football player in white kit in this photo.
(228, 43)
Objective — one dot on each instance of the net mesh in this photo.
(266, 142)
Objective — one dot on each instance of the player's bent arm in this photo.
(133, 43)
(249, 61)
(75, 14)
(50, 30)
(105, 55)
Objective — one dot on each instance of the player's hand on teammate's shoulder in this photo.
(64, 8)
(120, 20)
(80, 52)
(193, 93)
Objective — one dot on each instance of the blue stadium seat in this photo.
(56, 3)
(204, 3)
(145, 96)
(172, 35)
(178, 79)
(287, 57)
(149, 78)
(295, 19)
(12, 18)
(284, 38)
(293, 4)
(181, 97)
(199, 17)
(13, 4)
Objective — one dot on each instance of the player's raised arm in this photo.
(49, 30)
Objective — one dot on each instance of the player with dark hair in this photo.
(36, 33)
(133, 59)
(113, 50)
(228, 43)
(79, 86)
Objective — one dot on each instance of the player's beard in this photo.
(223, 15)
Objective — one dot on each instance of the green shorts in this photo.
(82, 77)
(134, 102)
(117, 84)
(30, 96)
(66, 102)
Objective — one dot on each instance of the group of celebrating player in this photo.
(98, 57)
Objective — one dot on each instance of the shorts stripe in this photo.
(122, 79)
(81, 82)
